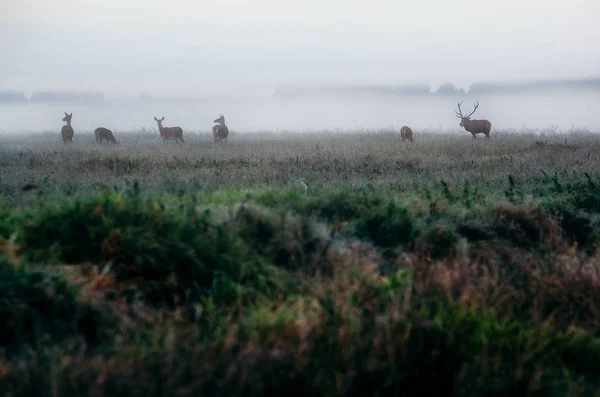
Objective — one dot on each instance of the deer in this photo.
(474, 126)
(104, 134)
(67, 131)
(168, 133)
(220, 131)
(406, 133)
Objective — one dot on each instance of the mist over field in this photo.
(561, 110)
(232, 49)
(308, 242)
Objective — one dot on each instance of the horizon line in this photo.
(94, 96)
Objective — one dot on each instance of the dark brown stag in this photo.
(220, 131)
(169, 133)
(67, 131)
(474, 126)
(104, 134)
(406, 133)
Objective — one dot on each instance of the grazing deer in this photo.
(104, 134)
(167, 133)
(67, 131)
(406, 133)
(220, 131)
(474, 126)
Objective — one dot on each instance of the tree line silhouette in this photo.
(446, 89)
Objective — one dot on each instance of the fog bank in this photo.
(331, 112)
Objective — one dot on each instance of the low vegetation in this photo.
(445, 266)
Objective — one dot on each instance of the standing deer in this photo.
(406, 133)
(474, 126)
(104, 134)
(167, 133)
(67, 131)
(220, 131)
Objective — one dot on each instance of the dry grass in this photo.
(42, 162)
(443, 267)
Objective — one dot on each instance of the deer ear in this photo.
(163, 118)
(155, 119)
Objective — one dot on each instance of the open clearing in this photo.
(329, 264)
(278, 160)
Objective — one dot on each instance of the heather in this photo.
(331, 264)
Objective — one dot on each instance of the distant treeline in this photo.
(53, 97)
(447, 89)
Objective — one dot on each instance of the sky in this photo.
(236, 47)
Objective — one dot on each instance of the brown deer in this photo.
(474, 126)
(169, 133)
(220, 131)
(67, 131)
(406, 133)
(104, 134)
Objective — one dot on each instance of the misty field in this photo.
(323, 264)
(261, 160)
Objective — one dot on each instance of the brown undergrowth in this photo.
(446, 289)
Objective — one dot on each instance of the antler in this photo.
(476, 106)
(459, 113)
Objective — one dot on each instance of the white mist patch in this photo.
(563, 110)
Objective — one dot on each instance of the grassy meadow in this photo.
(323, 264)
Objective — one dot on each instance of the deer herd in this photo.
(221, 131)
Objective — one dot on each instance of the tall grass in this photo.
(351, 159)
(445, 267)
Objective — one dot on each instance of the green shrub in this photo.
(173, 258)
(521, 227)
(389, 227)
(7, 222)
(437, 242)
(288, 240)
(35, 304)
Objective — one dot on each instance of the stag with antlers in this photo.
(169, 133)
(67, 131)
(474, 126)
(104, 134)
(406, 133)
(220, 131)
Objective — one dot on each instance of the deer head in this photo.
(67, 117)
(159, 121)
(220, 120)
(467, 117)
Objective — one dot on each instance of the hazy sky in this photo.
(196, 47)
